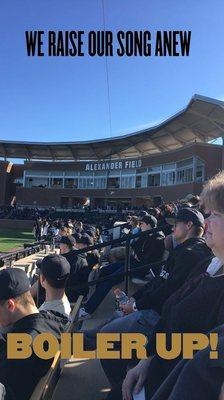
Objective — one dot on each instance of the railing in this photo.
(127, 267)
(18, 255)
(125, 239)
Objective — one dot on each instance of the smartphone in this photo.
(140, 395)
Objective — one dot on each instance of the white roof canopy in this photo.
(202, 120)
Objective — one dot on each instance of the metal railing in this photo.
(127, 262)
(126, 240)
(10, 258)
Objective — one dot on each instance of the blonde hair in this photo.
(212, 195)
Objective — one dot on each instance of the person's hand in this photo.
(128, 307)
(135, 379)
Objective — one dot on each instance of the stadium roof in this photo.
(202, 120)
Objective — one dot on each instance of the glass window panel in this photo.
(56, 173)
(113, 183)
(71, 183)
(100, 183)
(86, 173)
(56, 183)
(141, 181)
(36, 182)
(141, 170)
(185, 163)
(154, 180)
(36, 173)
(169, 166)
(155, 168)
(168, 178)
(73, 174)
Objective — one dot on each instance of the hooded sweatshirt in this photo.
(20, 376)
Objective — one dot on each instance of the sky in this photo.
(66, 98)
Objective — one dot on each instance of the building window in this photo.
(185, 175)
(36, 173)
(100, 183)
(71, 183)
(154, 180)
(18, 181)
(71, 174)
(199, 170)
(113, 183)
(36, 182)
(86, 183)
(168, 178)
(141, 181)
(56, 174)
(56, 183)
(156, 168)
(128, 182)
(167, 167)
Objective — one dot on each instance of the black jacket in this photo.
(21, 376)
(149, 248)
(185, 261)
(79, 268)
(199, 378)
(79, 272)
(198, 306)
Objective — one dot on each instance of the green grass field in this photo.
(13, 239)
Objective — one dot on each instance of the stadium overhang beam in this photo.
(202, 119)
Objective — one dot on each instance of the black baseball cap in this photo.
(55, 267)
(13, 283)
(190, 214)
(69, 240)
(149, 219)
(86, 239)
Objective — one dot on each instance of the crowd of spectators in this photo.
(176, 257)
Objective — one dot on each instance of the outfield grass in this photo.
(13, 239)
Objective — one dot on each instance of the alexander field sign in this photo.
(112, 165)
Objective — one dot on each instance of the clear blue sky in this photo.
(65, 99)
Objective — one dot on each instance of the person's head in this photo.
(67, 244)
(188, 223)
(116, 254)
(15, 298)
(54, 271)
(134, 221)
(63, 231)
(79, 225)
(212, 200)
(147, 222)
(92, 234)
(77, 236)
(85, 241)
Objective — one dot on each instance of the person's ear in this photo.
(189, 224)
(42, 279)
(11, 305)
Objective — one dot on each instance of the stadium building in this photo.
(166, 162)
